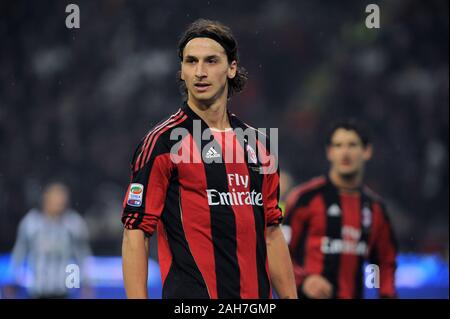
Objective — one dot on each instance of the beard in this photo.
(349, 176)
(212, 97)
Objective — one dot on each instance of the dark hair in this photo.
(350, 125)
(216, 31)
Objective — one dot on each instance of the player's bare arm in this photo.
(135, 263)
(280, 265)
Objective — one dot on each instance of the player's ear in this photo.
(232, 69)
(368, 152)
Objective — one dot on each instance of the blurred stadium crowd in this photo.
(75, 103)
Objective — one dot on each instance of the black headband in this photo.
(227, 47)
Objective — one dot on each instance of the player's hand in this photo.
(317, 287)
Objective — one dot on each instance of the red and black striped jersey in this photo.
(210, 209)
(332, 234)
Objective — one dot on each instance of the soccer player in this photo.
(334, 224)
(217, 220)
(49, 239)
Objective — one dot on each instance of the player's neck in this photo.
(346, 185)
(214, 114)
(53, 215)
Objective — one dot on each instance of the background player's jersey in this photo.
(211, 213)
(333, 233)
(49, 245)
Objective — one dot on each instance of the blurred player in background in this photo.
(48, 240)
(217, 220)
(334, 224)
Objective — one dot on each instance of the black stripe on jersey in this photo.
(333, 231)
(223, 222)
(260, 220)
(184, 279)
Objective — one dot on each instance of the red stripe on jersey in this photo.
(386, 251)
(130, 220)
(351, 217)
(155, 196)
(157, 135)
(196, 222)
(298, 224)
(245, 220)
(164, 253)
(149, 138)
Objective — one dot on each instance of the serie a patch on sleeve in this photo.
(135, 195)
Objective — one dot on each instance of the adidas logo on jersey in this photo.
(212, 153)
(334, 211)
